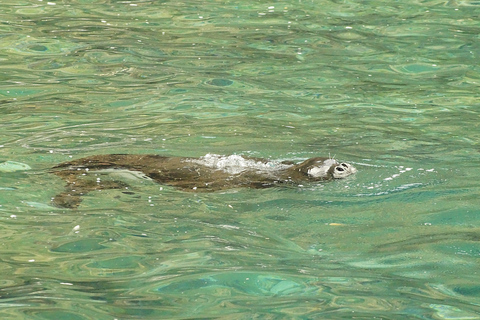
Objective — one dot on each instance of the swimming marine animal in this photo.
(208, 173)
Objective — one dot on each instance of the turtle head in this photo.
(321, 168)
(342, 170)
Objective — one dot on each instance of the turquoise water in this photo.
(391, 87)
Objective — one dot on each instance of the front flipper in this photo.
(72, 197)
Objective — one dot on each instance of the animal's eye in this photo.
(340, 169)
(344, 165)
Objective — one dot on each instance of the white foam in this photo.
(235, 164)
(321, 171)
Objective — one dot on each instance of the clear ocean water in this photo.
(392, 87)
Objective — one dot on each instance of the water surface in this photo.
(389, 87)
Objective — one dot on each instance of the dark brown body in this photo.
(182, 173)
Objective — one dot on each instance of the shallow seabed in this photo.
(391, 87)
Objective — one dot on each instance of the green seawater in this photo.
(392, 87)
